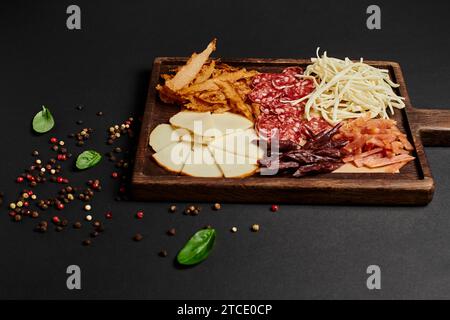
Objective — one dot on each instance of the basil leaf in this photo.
(88, 159)
(197, 248)
(43, 121)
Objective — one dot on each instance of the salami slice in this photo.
(273, 91)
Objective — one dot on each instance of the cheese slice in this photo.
(196, 122)
(163, 135)
(173, 156)
(227, 122)
(233, 165)
(240, 142)
(195, 139)
(201, 163)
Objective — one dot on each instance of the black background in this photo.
(301, 251)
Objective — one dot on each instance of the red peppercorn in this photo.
(60, 206)
(65, 180)
(56, 219)
(19, 179)
(140, 214)
(108, 215)
(30, 193)
(122, 190)
(274, 208)
(53, 140)
(12, 214)
(60, 179)
(26, 204)
(114, 175)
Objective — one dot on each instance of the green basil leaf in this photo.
(43, 121)
(198, 247)
(88, 159)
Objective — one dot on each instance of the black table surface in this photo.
(300, 251)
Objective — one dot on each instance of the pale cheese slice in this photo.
(196, 122)
(163, 135)
(233, 165)
(227, 122)
(195, 139)
(173, 157)
(240, 142)
(201, 163)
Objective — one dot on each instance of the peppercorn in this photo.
(35, 153)
(34, 214)
(79, 122)
(17, 217)
(96, 224)
(88, 207)
(217, 206)
(94, 234)
(255, 228)
(87, 242)
(19, 179)
(163, 253)
(138, 237)
(88, 217)
(274, 208)
(234, 229)
(108, 215)
(77, 225)
(171, 232)
(140, 214)
(114, 175)
(173, 209)
(99, 113)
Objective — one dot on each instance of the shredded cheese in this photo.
(346, 89)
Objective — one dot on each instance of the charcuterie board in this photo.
(414, 185)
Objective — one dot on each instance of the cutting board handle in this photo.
(432, 125)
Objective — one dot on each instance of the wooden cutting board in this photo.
(414, 185)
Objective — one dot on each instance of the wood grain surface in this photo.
(413, 186)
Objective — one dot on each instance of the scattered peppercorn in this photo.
(108, 215)
(234, 229)
(87, 242)
(140, 214)
(274, 208)
(171, 232)
(255, 228)
(79, 108)
(99, 113)
(138, 237)
(172, 209)
(77, 225)
(88, 207)
(163, 253)
(88, 217)
(217, 206)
